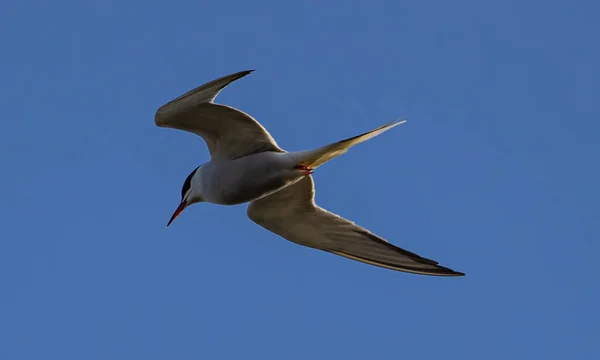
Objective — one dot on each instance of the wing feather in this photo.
(228, 132)
(293, 214)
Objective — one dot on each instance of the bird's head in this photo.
(190, 194)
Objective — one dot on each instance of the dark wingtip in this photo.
(450, 272)
(241, 74)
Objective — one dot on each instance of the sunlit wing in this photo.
(293, 214)
(229, 133)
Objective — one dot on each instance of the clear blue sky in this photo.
(495, 174)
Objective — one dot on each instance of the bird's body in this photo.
(247, 165)
(248, 178)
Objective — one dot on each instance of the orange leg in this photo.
(304, 168)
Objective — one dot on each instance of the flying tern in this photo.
(247, 165)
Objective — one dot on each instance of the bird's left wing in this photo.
(228, 132)
(293, 214)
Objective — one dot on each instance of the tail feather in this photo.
(317, 157)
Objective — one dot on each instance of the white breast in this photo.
(231, 182)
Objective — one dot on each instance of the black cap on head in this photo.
(188, 183)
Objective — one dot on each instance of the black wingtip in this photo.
(241, 74)
(449, 272)
(454, 273)
(439, 271)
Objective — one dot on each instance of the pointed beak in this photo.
(178, 211)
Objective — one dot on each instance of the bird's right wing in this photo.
(228, 132)
(293, 214)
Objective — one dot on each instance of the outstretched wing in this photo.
(229, 133)
(293, 214)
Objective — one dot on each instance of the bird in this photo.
(248, 166)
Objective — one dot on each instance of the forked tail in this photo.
(311, 159)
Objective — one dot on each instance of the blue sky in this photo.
(495, 174)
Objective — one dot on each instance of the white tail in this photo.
(317, 157)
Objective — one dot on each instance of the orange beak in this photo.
(178, 211)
